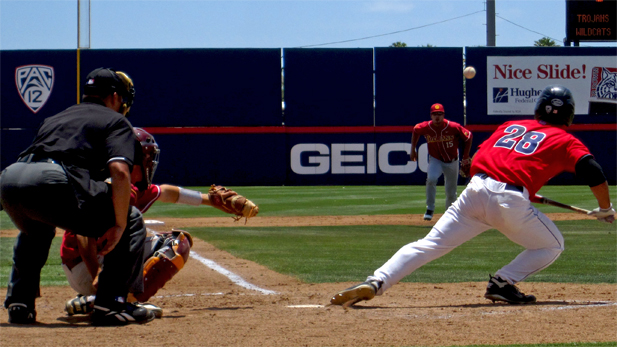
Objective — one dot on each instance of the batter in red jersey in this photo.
(508, 169)
(442, 139)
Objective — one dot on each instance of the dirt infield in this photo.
(220, 300)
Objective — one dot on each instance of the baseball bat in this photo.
(547, 201)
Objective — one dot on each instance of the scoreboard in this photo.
(591, 20)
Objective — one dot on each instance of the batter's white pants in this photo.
(435, 169)
(484, 204)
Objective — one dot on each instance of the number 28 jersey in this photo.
(528, 153)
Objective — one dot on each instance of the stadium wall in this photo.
(310, 116)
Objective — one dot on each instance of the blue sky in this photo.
(52, 24)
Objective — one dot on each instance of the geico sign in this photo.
(353, 158)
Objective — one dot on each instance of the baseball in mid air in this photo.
(469, 72)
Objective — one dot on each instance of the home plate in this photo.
(305, 306)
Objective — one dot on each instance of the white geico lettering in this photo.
(354, 158)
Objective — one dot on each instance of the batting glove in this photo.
(604, 214)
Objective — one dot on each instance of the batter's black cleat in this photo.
(80, 305)
(501, 290)
(120, 314)
(21, 314)
(428, 215)
(357, 293)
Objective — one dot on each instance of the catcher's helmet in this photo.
(150, 157)
(128, 93)
(555, 105)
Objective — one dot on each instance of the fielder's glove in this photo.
(231, 202)
(465, 167)
(604, 214)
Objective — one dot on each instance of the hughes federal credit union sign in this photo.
(514, 83)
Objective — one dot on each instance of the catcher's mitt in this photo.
(465, 167)
(231, 202)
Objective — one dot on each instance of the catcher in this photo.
(164, 253)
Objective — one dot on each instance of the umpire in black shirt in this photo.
(59, 181)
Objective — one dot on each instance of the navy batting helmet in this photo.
(555, 105)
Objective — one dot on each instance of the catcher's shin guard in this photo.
(165, 262)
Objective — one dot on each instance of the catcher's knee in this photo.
(168, 254)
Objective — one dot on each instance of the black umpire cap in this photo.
(105, 81)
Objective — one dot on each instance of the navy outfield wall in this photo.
(35, 85)
(328, 87)
(409, 80)
(218, 118)
(317, 156)
(198, 87)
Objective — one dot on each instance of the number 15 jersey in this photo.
(528, 153)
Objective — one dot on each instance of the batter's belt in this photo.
(508, 185)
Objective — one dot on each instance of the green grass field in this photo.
(350, 253)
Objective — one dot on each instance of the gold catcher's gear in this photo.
(169, 254)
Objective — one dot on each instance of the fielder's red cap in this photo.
(437, 108)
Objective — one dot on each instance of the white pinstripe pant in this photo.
(483, 205)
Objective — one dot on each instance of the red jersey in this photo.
(69, 253)
(143, 200)
(442, 141)
(528, 153)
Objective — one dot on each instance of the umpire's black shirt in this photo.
(84, 138)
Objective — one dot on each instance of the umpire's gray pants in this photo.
(38, 198)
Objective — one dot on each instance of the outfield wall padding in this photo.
(308, 116)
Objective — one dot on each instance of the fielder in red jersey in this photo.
(508, 169)
(442, 139)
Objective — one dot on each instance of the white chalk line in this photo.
(305, 306)
(187, 295)
(567, 307)
(581, 305)
(232, 276)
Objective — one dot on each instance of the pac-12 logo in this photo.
(34, 83)
(500, 95)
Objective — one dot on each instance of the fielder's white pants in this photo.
(484, 204)
(435, 169)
